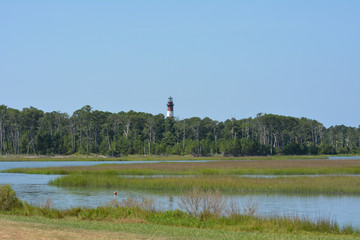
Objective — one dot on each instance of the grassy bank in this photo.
(149, 157)
(229, 184)
(202, 215)
(19, 227)
(233, 167)
(115, 215)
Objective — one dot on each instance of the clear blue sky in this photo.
(218, 59)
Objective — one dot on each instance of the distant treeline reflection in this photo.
(33, 131)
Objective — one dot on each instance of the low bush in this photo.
(203, 204)
(8, 199)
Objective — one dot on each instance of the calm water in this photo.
(11, 164)
(34, 189)
(345, 158)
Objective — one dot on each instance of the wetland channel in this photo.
(34, 188)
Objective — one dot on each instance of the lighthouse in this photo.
(170, 108)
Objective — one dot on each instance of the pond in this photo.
(34, 189)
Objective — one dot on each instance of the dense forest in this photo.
(88, 131)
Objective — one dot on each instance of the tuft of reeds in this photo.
(146, 204)
(250, 208)
(203, 204)
(47, 203)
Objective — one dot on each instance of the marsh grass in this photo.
(146, 204)
(254, 167)
(228, 184)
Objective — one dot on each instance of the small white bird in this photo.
(115, 194)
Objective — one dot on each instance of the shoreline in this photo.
(37, 158)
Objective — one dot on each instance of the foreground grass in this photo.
(117, 217)
(233, 167)
(229, 184)
(204, 218)
(149, 157)
(18, 227)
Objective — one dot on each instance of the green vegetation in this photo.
(143, 213)
(34, 227)
(92, 132)
(216, 175)
(32, 135)
(149, 172)
(8, 200)
(230, 184)
(233, 167)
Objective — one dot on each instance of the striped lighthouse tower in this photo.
(170, 108)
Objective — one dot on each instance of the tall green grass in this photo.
(230, 184)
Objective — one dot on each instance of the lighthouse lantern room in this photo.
(170, 108)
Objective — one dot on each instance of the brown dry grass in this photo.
(251, 164)
(29, 231)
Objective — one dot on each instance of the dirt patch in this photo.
(29, 231)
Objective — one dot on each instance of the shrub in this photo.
(47, 204)
(8, 199)
(203, 204)
(250, 208)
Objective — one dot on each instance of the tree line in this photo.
(88, 131)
